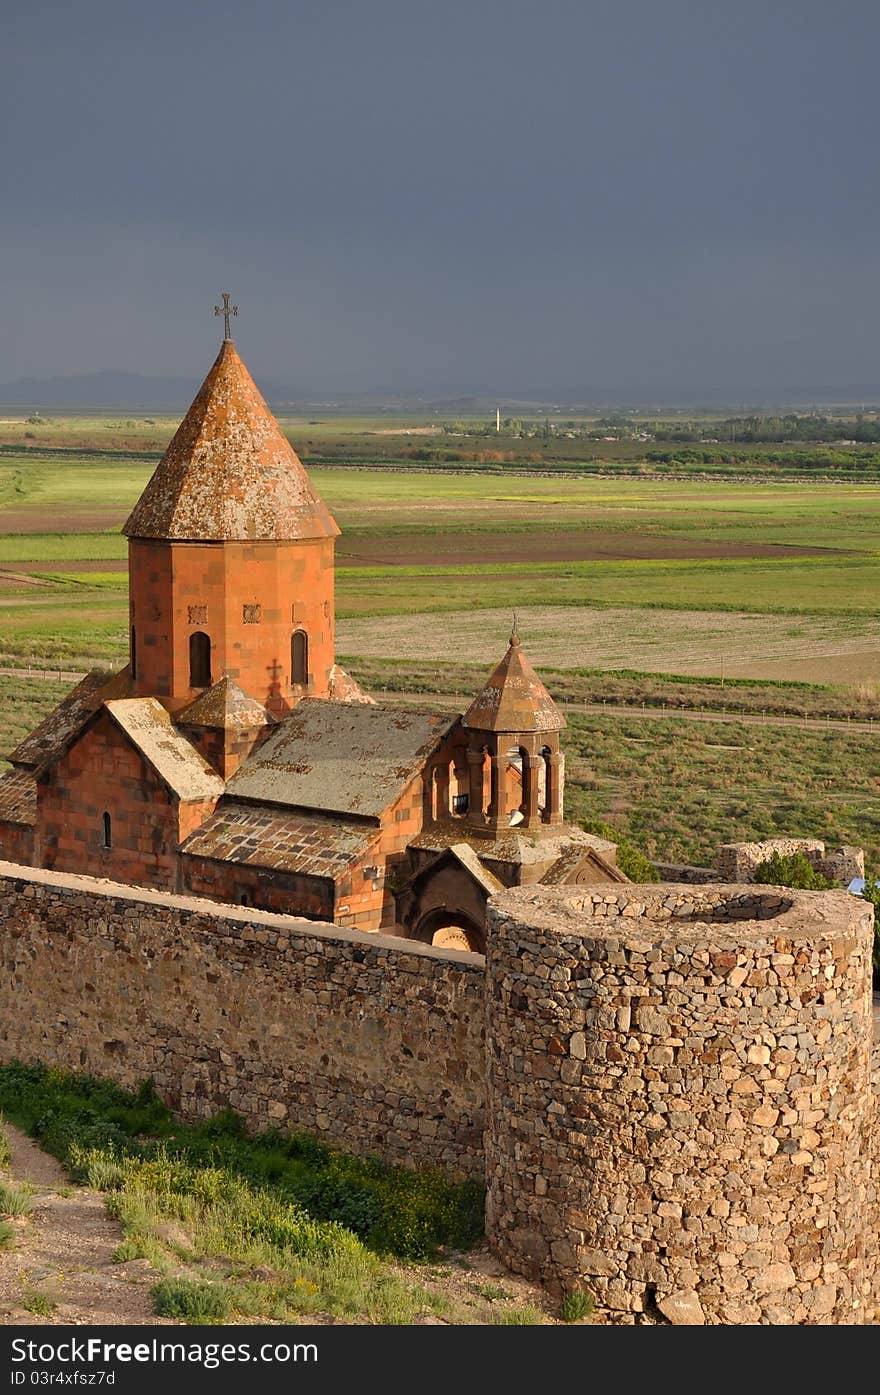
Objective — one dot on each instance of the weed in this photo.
(576, 1306)
(40, 1304)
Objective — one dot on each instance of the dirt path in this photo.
(61, 1262)
(672, 714)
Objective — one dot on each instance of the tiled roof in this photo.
(340, 757)
(54, 734)
(262, 836)
(229, 473)
(147, 724)
(514, 699)
(225, 706)
(18, 797)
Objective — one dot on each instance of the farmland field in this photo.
(752, 579)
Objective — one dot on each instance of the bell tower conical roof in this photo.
(229, 474)
(514, 699)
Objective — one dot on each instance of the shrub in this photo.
(7, 1235)
(192, 1300)
(872, 893)
(630, 858)
(794, 871)
(576, 1306)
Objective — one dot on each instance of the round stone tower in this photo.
(679, 1099)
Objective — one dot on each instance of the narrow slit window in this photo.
(299, 657)
(199, 660)
(107, 832)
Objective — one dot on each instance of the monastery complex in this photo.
(232, 758)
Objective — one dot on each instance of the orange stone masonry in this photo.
(249, 599)
(230, 543)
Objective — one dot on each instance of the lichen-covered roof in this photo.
(514, 698)
(572, 863)
(469, 859)
(54, 734)
(343, 688)
(147, 724)
(229, 473)
(511, 845)
(226, 706)
(264, 836)
(340, 757)
(18, 797)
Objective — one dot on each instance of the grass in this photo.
(665, 691)
(678, 789)
(270, 1227)
(15, 1201)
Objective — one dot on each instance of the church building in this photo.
(232, 758)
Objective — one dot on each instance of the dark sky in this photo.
(668, 196)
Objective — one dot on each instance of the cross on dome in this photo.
(226, 310)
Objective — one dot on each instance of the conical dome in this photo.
(229, 474)
(514, 698)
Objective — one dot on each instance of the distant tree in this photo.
(872, 893)
(794, 871)
(630, 859)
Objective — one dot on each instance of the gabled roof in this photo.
(255, 835)
(148, 726)
(54, 734)
(514, 698)
(343, 688)
(465, 855)
(340, 757)
(225, 706)
(229, 473)
(574, 863)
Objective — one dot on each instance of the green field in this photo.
(559, 551)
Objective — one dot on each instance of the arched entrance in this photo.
(450, 929)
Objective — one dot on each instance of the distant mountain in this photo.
(125, 391)
(136, 392)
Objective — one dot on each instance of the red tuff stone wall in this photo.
(679, 1103)
(102, 772)
(248, 598)
(285, 893)
(371, 1042)
(16, 842)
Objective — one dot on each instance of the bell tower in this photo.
(231, 554)
(515, 764)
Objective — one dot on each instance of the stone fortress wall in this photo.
(675, 1081)
(680, 1113)
(737, 862)
(371, 1042)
